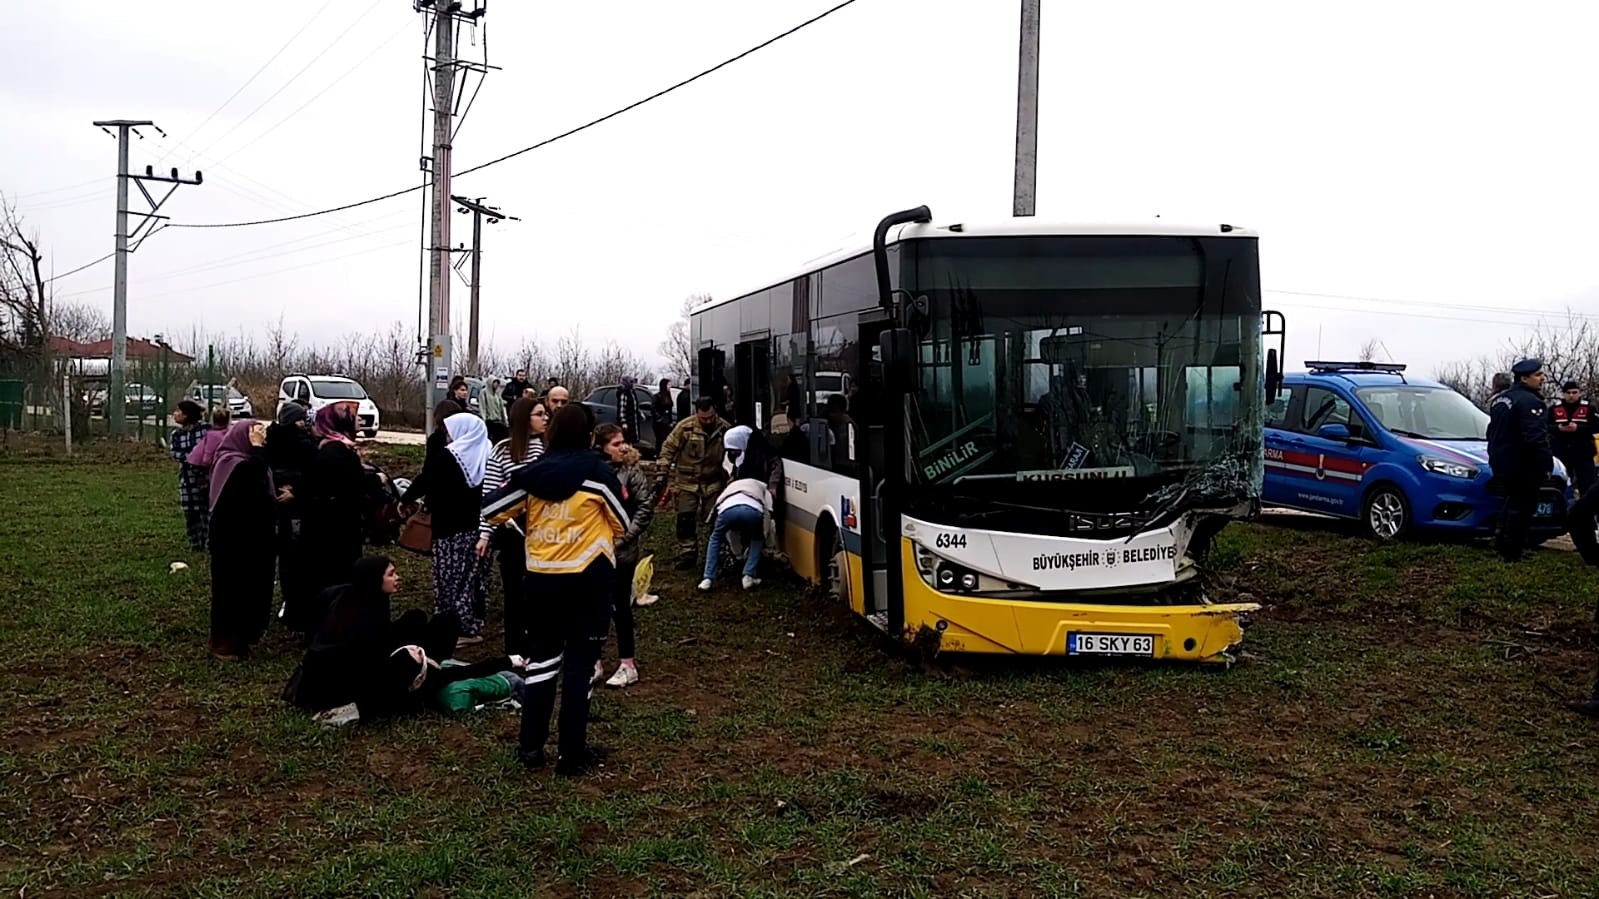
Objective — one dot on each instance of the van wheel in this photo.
(1387, 514)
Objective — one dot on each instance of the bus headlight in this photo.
(948, 577)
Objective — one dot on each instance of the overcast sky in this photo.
(1425, 158)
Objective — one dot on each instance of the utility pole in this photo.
(479, 213)
(1024, 195)
(115, 391)
(447, 16)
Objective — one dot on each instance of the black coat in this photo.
(455, 505)
(334, 512)
(1518, 436)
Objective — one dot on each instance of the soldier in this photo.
(1518, 453)
(692, 458)
(1571, 427)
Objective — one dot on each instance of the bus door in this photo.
(880, 538)
(712, 377)
(752, 377)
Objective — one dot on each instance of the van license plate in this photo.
(1110, 644)
(1546, 510)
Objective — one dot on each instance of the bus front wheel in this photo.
(831, 563)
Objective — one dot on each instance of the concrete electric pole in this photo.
(1024, 195)
(115, 412)
(494, 215)
(448, 15)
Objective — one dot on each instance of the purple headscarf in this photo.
(235, 448)
(333, 422)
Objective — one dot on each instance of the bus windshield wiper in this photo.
(1005, 507)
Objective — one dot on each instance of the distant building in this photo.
(93, 360)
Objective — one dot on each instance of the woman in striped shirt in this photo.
(529, 418)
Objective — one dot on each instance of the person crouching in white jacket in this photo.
(741, 508)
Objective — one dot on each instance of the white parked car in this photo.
(209, 396)
(326, 390)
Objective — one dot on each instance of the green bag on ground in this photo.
(465, 695)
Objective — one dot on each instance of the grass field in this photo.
(1396, 730)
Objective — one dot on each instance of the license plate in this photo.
(1110, 644)
(1546, 510)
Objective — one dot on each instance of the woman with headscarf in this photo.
(243, 513)
(290, 453)
(333, 509)
(742, 509)
(194, 484)
(451, 482)
(529, 420)
(357, 635)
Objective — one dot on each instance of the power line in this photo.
(276, 271)
(261, 255)
(251, 80)
(56, 190)
(1465, 320)
(318, 95)
(86, 265)
(543, 143)
(293, 78)
(1462, 306)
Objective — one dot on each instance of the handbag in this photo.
(416, 535)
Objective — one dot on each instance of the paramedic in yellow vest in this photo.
(569, 504)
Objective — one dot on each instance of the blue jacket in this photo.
(1518, 435)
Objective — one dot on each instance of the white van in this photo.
(324, 390)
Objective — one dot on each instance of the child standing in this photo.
(194, 481)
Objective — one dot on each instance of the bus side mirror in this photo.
(1274, 377)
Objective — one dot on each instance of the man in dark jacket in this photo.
(1571, 429)
(628, 413)
(514, 387)
(1519, 454)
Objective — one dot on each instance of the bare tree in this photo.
(1368, 350)
(1569, 352)
(23, 295)
(80, 322)
(678, 347)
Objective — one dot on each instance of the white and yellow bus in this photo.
(1039, 428)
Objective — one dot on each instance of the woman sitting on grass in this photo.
(357, 650)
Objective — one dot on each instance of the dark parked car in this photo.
(602, 402)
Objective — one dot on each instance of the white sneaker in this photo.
(751, 582)
(705, 585)
(625, 676)
(648, 599)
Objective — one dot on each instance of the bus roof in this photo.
(1011, 227)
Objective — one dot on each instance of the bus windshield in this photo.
(1072, 359)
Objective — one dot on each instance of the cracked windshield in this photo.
(1091, 358)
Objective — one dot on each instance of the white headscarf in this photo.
(469, 444)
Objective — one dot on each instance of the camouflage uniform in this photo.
(692, 459)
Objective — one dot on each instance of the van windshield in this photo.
(1436, 413)
(338, 390)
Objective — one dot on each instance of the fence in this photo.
(33, 401)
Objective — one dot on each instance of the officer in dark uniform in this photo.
(1571, 428)
(1519, 454)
